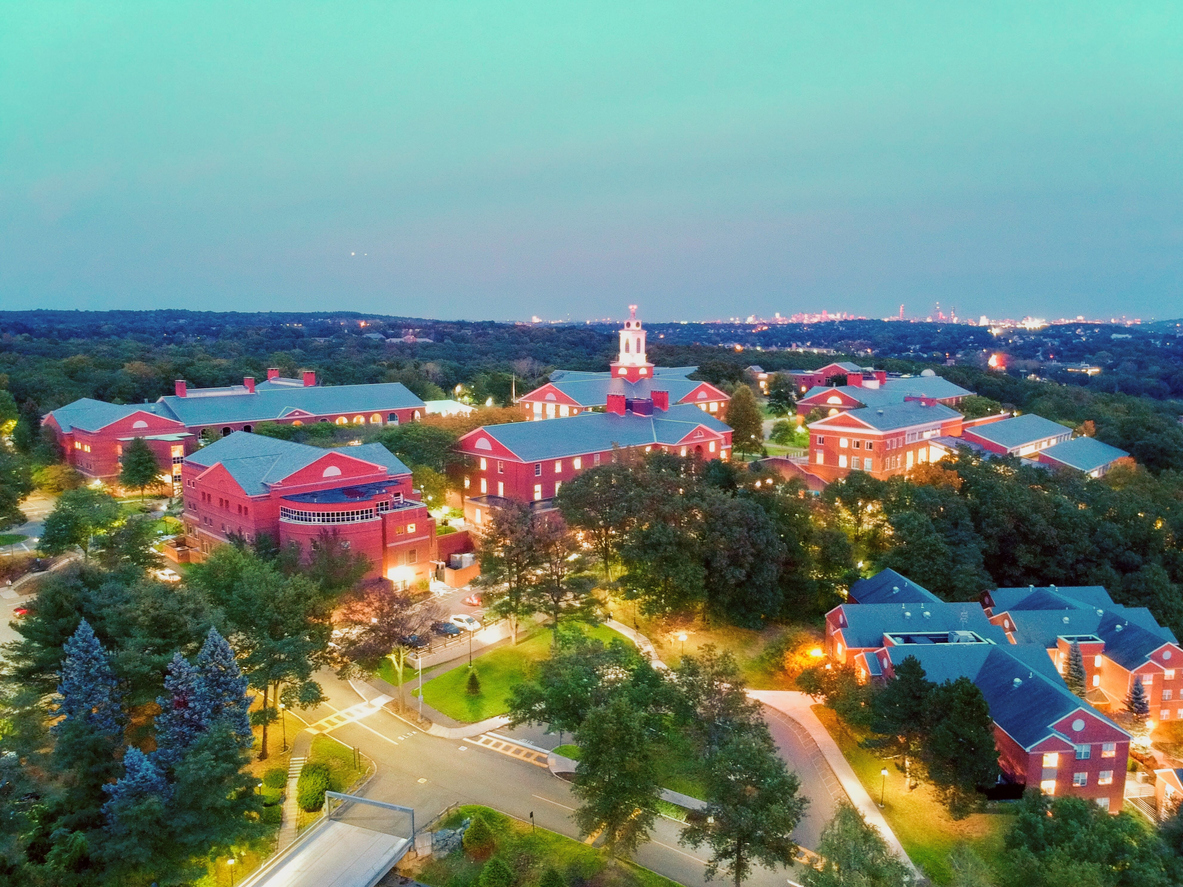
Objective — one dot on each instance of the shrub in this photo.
(496, 874)
(552, 878)
(473, 687)
(276, 777)
(272, 815)
(311, 787)
(479, 840)
(56, 478)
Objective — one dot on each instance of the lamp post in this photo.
(419, 657)
(682, 638)
(230, 862)
(883, 786)
(283, 726)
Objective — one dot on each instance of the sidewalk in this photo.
(797, 706)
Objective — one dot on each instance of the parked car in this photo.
(445, 629)
(19, 612)
(416, 641)
(473, 600)
(466, 622)
(167, 575)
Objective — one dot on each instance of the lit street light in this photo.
(283, 726)
(883, 786)
(230, 862)
(682, 638)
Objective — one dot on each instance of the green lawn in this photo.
(926, 831)
(679, 768)
(530, 852)
(11, 538)
(499, 671)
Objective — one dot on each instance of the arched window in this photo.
(341, 420)
(246, 428)
(376, 419)
(226, 432)
(416, 416)
(359, 420)
(626, 346)
(638, 345)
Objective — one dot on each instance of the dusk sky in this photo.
(500, 160)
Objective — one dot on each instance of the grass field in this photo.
(499, 672)
(926, 831)
(11, 538)
(530, 852)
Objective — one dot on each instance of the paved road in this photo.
(35, 508)
(429, 774)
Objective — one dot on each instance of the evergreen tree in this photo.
(902, 709)
(139, 469)
(746, 421)
(1075, 678)
(959, 750)
(136, 819)
(1138, 706)
(222, 688)
(509, 554)
(181, 719)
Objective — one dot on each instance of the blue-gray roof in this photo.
(92, 415)
(895, 390)
(867, 623)
(902, 415)
(256, 461)
(1020, 431)
(599, 432)
(1084, 454)
(269, 403)
(1051, 597)
(592, 389)
(889, 587)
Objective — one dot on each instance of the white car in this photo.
(462, 620)
(168, 575)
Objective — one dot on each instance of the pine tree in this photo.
(1138, 706)
(181, 719)
(222, 688)
(135, 815)
(1075, 678)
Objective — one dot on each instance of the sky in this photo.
(498, 160)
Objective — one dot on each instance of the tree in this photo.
(1075, 678)
(332, 565)
(562, 584)
(616, 778)
(752, 808)
(712, 703)
(901, 711)
(975, 406)
(16, 482)
(663, 568)
(1138, 705)
(854, 854)
(782, 397)
(134, 842)
(784, 432)
(598, 502)
(509, 555)
(279, 624)
(139, 469)
(77, 518)
(741, 557)
(127, 543)
(959, 751)
(746, 421)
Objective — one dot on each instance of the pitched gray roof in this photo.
(889, 587)
(592, 389)
(895, 390)
(867, 623)
(902, 415)
(255, 461)
(1019, 431)
(92, 415)
(598, 432)
(277, 402)
(1084, 453)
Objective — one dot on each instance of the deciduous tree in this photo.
(139, 467)
(854, 854)
(77, 517)
(746, 421)
(510, 557)
(959, 751)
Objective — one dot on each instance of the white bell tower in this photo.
(631, 363)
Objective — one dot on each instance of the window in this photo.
(1051, 760)
(1083, 752)
(558, 466)
(870, 445)
(842, 461)
(1096, 680)
(564, 410)
(1097, 661)
(558, 484)
(714, 407)
(501, 489)
(857, 444)
(856, 463)
(326, 517)
(843, 442)
(1105, 777)
(476, 515)
(1103, 803)
(821, 457)
(484, 486)
(410, 528)
(1109, 749)
(577, 462)
(1169, 674)
(484, 464)
(537, 492)
(1080, 779)
(1048, 786)
(1166, 695)
(467, 483)
(500, 467)
(1164, 715)
(413, 556)
(596, 459)
(538, 469)
(711, 446)
(820, 440)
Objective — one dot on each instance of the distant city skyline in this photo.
(519, 160)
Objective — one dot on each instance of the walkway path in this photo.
(798, 707)
(301, 747)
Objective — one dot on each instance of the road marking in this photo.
(676, 850)
(510, 749)
(556, 803)
(372, 730)
(349, 715)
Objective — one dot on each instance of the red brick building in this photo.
(807, 379)
(247, 484)
(92, 433)
(570, 393)
(876, 389)
(1045, 735)
(1023, 436)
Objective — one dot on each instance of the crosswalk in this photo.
(510, 749)
(348, 715)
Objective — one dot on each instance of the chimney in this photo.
(309, 378)
(615, 404)
(881, 375)
(248, 382)
(854, 380)
(180, 388)
(272, 373)
(661, 400)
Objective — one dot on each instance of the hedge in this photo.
(312, 785)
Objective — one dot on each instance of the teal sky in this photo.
(498, 160)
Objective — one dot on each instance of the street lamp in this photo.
(682, 638)
(230, 862)
(419, 657)
(283, 726)
(883, 786)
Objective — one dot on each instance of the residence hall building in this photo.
(247, 484)
(804, 380)
(92, 433)
(1023, 436)
(1119, 644)
(530, 461)
(1084, 454)
(1045, 735)
(876, 389)
(631, 375)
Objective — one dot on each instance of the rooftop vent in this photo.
(1117, 627)
(1065, 620)
(927, 615)
(1018, 683)
(907, 614)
